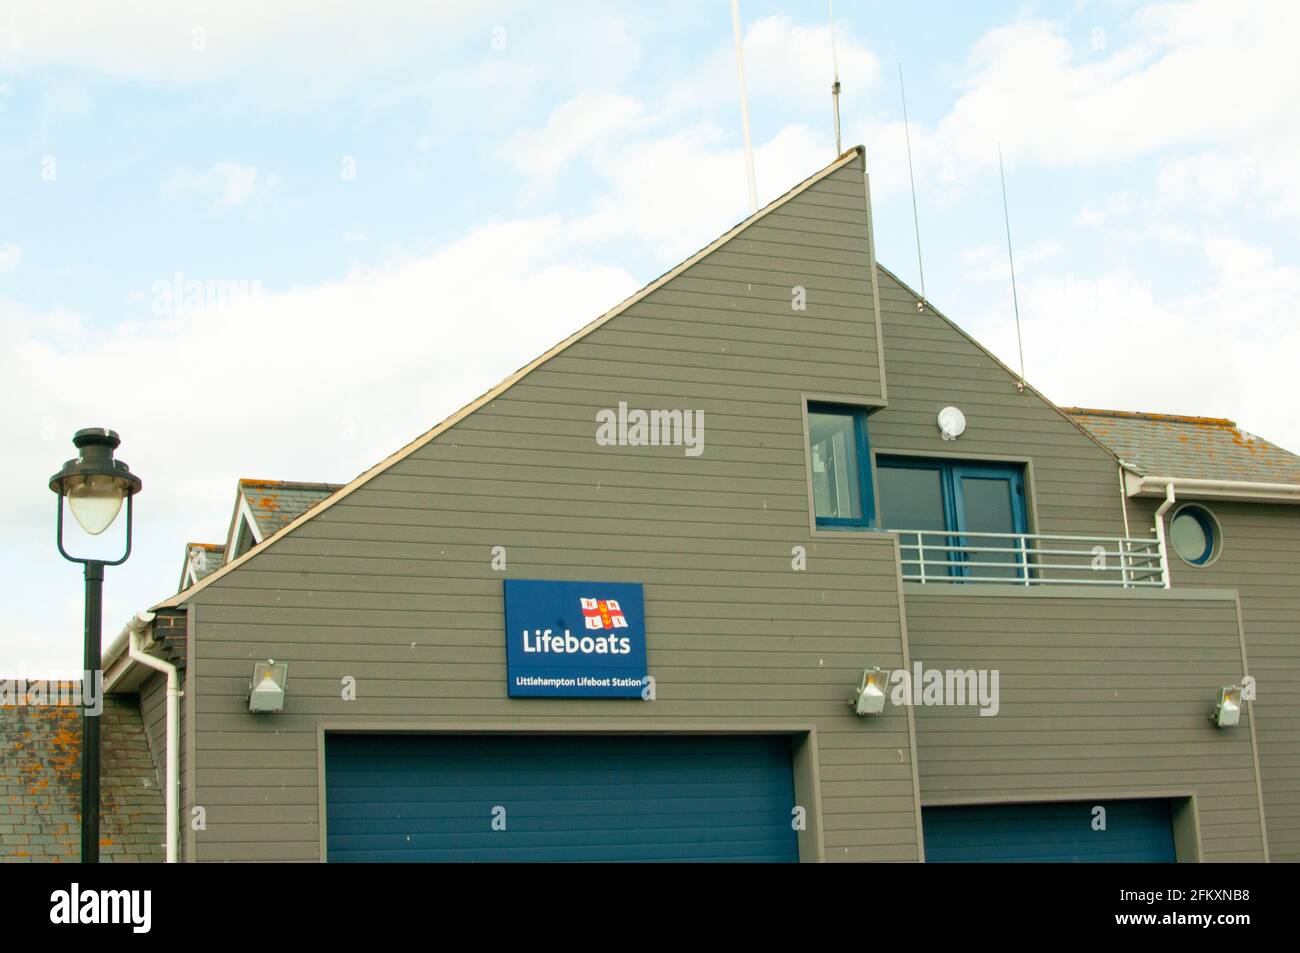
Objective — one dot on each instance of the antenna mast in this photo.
(835, 86)
(916, 221)
(744, 107)
(1020, 384)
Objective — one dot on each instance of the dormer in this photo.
(263, 507)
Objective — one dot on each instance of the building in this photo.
(765, 475)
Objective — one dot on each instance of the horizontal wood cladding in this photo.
(1260, 559)
(394, 585)
(930, 365)
(1099, 697)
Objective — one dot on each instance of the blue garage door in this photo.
(1057, 832)
(565, 798)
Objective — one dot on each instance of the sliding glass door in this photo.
(943, 509)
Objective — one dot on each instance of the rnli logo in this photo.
(602, 613)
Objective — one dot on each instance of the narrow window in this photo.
(841, 475)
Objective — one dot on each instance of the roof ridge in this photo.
(1149, 415)
(309, 484)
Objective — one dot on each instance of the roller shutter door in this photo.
(1056, 832)
(565, 798)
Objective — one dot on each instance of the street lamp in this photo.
(95, 485)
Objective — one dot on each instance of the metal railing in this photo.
(1032, 559)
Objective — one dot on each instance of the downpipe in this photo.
(1169, 501)
(135, 635)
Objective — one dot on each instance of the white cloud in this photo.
(785, 62)
(10, 256)
(1217, 84)
(1117, 205)
(64, 101)
(519, 67)
(987, 263)
(312, 383)
(1173, 235)
(679, 192)
(589, 124)
(225, 185)
(1115, 340)
(302, 49)
(1210, 180)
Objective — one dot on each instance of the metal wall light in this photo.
(869, 699)
(94, 485)
(1227, 713)
(266, 690)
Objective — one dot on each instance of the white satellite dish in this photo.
(952, 423)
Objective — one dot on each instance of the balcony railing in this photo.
(1032, 559)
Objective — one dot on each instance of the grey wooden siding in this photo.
(1100, 697)
(153, 713)
(393, 585)
(1261, 560)
(930, 364)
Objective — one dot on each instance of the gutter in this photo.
(1242, 490)
(113, 662)
(133, 635)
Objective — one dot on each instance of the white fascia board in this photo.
(1195, 489)
(243, 514)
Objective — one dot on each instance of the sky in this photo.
(375, 212)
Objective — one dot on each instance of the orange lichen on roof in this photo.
(43, 775)
(1191, 447)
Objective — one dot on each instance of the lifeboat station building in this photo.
(771, 562)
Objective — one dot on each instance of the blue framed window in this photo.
(1194, 536)
(841, 467)
(955, 518)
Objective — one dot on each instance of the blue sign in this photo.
(574, 639)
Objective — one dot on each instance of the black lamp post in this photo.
(95, 485)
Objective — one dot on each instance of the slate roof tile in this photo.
(1195, 448)
(40, 783)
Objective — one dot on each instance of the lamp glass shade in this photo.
(95, 502)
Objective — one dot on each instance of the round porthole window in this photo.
(1194, 534)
